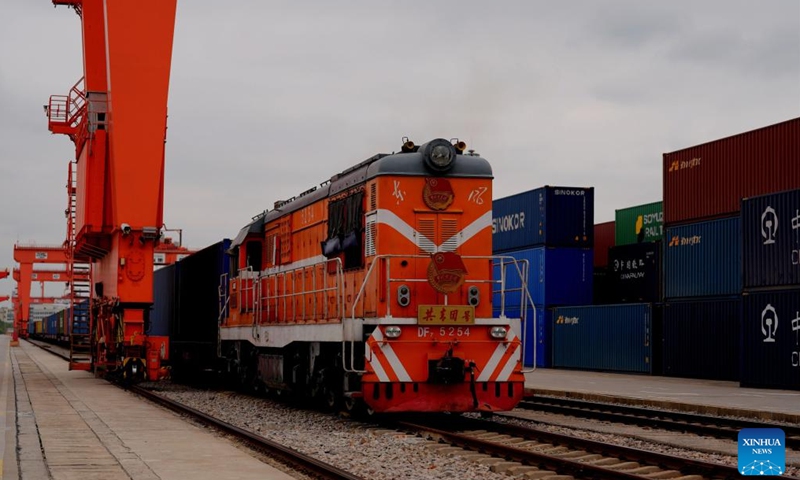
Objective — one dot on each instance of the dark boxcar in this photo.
(703, 259)
(614, 338)
(771, 240)
(537, 342)
(635, 273)
(193, 333)
(701, 338)
(709, 180)
(639, 224)
(556, 276)
(553, 216)
(603, 240)
(163, 311)
(771, 339)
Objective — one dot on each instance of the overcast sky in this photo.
(270, 98)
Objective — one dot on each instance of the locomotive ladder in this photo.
(80, 344)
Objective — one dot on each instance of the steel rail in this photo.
(717, 427)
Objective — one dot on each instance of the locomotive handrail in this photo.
(503, 260)
(314, 291)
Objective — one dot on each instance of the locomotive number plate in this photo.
(446, 315)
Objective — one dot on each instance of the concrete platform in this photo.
(702, 396)
(70, 425)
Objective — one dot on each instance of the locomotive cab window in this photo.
(346, 231)
(253, 252)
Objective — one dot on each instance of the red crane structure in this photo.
(116, 116)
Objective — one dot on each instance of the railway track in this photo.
(717, 427)
(560, 454)
(296, 460)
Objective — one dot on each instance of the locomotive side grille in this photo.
(426, 241)
(373, 197)
(371, 234)
(449, 235)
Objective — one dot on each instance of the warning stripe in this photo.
(384, 361)
(511, 363)
(503, 350)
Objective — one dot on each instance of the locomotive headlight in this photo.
(392, 332)
(439, 155)
(499, 332)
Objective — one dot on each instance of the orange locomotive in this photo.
(376, 288)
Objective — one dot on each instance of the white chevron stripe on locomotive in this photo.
(388, 217)
(495, 359)
(394, 362)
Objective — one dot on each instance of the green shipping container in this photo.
(643, 223)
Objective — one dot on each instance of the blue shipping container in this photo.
(556, 276)
(701, 338)
(541, 337)
(703, 259)
(552, 216)
(771, 240)
(771, 340)
(615, 338)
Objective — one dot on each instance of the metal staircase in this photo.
(80, 318)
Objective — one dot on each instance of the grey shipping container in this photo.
(771, 240)
(551, 216)
(701, 338)
(703, 259)
(771, 339)
(616, 338)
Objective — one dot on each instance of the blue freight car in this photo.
(552, 216)
(615, 338)
(771, 339)
(556, 276)
(701, 338)
(703, 259)
(771, 240)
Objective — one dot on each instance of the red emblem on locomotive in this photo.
(437, 193)
(446, 272)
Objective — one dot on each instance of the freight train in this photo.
(372, 291)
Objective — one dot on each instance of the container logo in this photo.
(508, 223)
(678, 241)
(574, 193)
(762, 451)
(683, 164)
(769, 323)
(769, 225)
(562, 320)
(796, 330)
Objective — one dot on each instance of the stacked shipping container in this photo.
(551, 230)
(603, 241)
(703, 188)
(770, 333)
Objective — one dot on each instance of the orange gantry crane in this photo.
(27, 256)
(4, 274)
(116, 116)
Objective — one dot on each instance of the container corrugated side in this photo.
(541, 337)
(615, 338)
(193, 333)
(771, 240)
(635, 273)
(163, 310)
(703, 259)
(709, 180)
(639, 224)
(556, 276)
(771, 339)
(602, 287)
(701, 338)
(553, 216)
(603, 240)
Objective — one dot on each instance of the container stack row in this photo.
(545, 237)
(705, 319)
